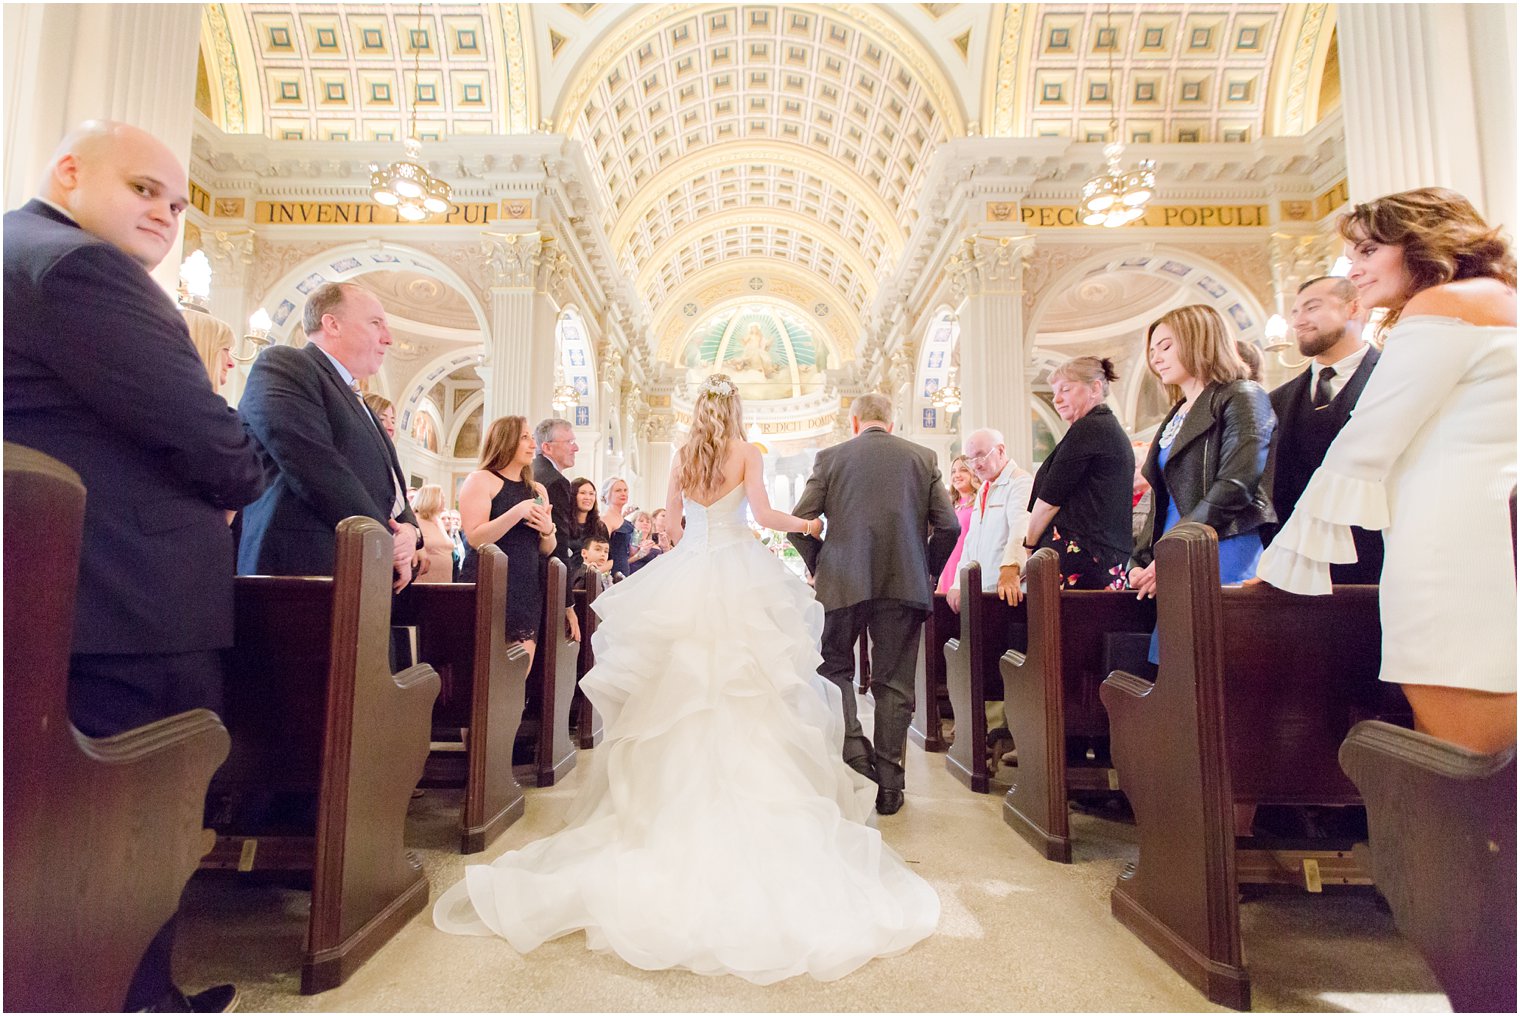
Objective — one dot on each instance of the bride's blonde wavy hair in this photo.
(716, 418)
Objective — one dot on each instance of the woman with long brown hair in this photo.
(718, 828)
(500, 503)
(964, 484)
(1428, 458)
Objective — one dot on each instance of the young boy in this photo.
(596, 560)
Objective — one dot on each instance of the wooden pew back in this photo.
(461, 633)
(1255, 692)
(588, 722)
(100, 835)
(1050, 696)
(551, 686)
(988, 629)
(929, 677)
(312, 706)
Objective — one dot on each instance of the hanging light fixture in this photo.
(406, 185)
(948, 397)
(1116, 196)
(566, 396)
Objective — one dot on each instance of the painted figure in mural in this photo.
(755, 353)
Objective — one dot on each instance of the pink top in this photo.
(963, 515)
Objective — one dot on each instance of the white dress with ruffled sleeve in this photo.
(1428, 457)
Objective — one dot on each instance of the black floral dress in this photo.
(1089, 476)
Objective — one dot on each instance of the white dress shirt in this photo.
(999, 525)
(1344, 368)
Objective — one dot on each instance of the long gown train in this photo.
(718, 829)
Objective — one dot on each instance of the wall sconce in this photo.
(1278, 344)
(259, 325)
(195, 281)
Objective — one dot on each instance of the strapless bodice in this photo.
(719, 524)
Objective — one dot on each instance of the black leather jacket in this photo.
(1217, 470)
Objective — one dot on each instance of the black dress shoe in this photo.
(218, 998)
(888, 801)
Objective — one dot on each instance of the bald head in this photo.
(122, 184)
(985, 450)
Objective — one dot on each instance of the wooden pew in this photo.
(461, 633)
(1441, 825)
(988, 629)
(929, 689)
(1050, 695)
(100, 835)
(1256, 690)
(588, 722)
(312, 706)
(546, 724)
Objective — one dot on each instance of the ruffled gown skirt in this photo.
(718, 830)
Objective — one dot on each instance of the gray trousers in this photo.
(893, 627)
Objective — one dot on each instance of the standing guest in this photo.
(585, 520)
(555, 439)
(1087, 481)
(1314, 407)
(385, 411)
(501, 503)
(100, 373)
(657, 528)
(1208, 463)
(890, 530)
(645, 549)
(1429, 458)
(999, 519)
(213, 341)
(329, 454)
(619, 529)
(456, 533)
(963, 487)
(437, 544)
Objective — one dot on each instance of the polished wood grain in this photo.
(988, 629)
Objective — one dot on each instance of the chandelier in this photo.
(948, 397)
(1116, 196)
(406, 185)
(566, 396)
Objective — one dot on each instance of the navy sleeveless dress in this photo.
(525, 590)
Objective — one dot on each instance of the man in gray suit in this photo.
(890, 530)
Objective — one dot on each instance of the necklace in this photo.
(1173, 427)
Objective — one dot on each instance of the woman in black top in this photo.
(585, 519)
(1086, 481)
(499, 503)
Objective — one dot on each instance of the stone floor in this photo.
(1017, 934)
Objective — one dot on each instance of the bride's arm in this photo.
(760, 503)
(673, 507)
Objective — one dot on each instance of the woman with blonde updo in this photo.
(718, 828)
(1428, 458)
(437, 544)
(213, 340)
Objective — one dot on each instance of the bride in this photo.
(718, 830)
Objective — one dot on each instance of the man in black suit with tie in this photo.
(100, 373)
(327, 455)
(556, 453)
(890, 530)
(1313, 407)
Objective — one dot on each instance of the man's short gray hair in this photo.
(544, 432)
(872, 407)
(995, 435)
(324, 300)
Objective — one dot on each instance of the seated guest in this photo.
(385, 411)
(1208, 462)
(585, 520)
(645, 548)
(213, 341)
(999, 519)
(1429, 458)
(100, 374)
(1313, 407)
(437, 544)
(619, 528)
(1086, 481)
(963, 487)
(501, 503)
(595, 564)
(328, 454)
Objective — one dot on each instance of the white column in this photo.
(68, 63)
(1429, 98)
(231, 255)
(519, 367)
(994, 391)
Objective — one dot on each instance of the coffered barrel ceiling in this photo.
(719, 134)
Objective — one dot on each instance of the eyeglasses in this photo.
(983, 455)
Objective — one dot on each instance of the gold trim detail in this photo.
(233, 118)
(1004, 111)
(1294, 106)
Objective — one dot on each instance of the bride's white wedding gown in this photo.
(718, 830)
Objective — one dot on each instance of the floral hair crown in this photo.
(717, 384)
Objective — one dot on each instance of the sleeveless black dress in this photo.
(525, 591)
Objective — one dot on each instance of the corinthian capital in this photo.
(986, 264)
(229, 249)
(511, 260)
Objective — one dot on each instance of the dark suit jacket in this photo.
(1304, 434)
(891, 527)
(560, 506)
(100, 373)
(326, 458)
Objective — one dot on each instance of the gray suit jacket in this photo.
(891, 527)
